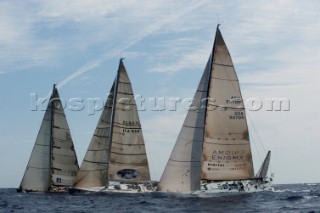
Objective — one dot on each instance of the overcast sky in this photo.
(275, 46)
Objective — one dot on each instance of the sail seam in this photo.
(95, 162)
(117, 153)
(128, 144)
(125, 93)
(124, 127)
(190, 140)
(231, 144)
(64, 155)
(141, 164)
(57, 127)
(122, 82)
(93, 170)
(225, 65)
(107, 127)
(38, 167)
(100, 136)
(224, 79)
(193, 127)
(97, 150)
(62, 140)
(228, 107)
(129, 104)
(41, 144)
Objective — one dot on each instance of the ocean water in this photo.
(284, 198)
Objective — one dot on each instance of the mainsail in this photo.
(213, 143)
(128, 159)
(117, 150)
(53, 161)
(226, 149)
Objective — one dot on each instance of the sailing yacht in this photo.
(53, 164)
(116, 159)
(212, 153)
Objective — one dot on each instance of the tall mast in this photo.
(209, 82)
(114, 108)
(210, 74)
(51, 132)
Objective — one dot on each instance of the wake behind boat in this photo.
(212, 153)
(116, 159)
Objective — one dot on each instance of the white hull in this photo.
(235, 186)
(119, 188)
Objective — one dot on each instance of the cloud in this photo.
(153, 27)
(191, 59)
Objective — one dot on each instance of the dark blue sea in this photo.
(284, 198)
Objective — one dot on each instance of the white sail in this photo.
(183, 170)
(213, 144)
(53, 160)
(128, 159)
(117, 150)
(37, 173)
(262, 173)
(64, 160)
(94, 167)
(226, 148)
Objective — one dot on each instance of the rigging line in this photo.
(154, 171)
(256, 148)
(259, 139)
(256, 132)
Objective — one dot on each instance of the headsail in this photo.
(38, 171)
(262, 173)
(53, 159)
(183, 170)
(226, 148)
(94, 167)
(128, 158)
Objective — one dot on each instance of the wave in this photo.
(291, 190)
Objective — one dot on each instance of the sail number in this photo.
(131, 126)
(237, 116)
